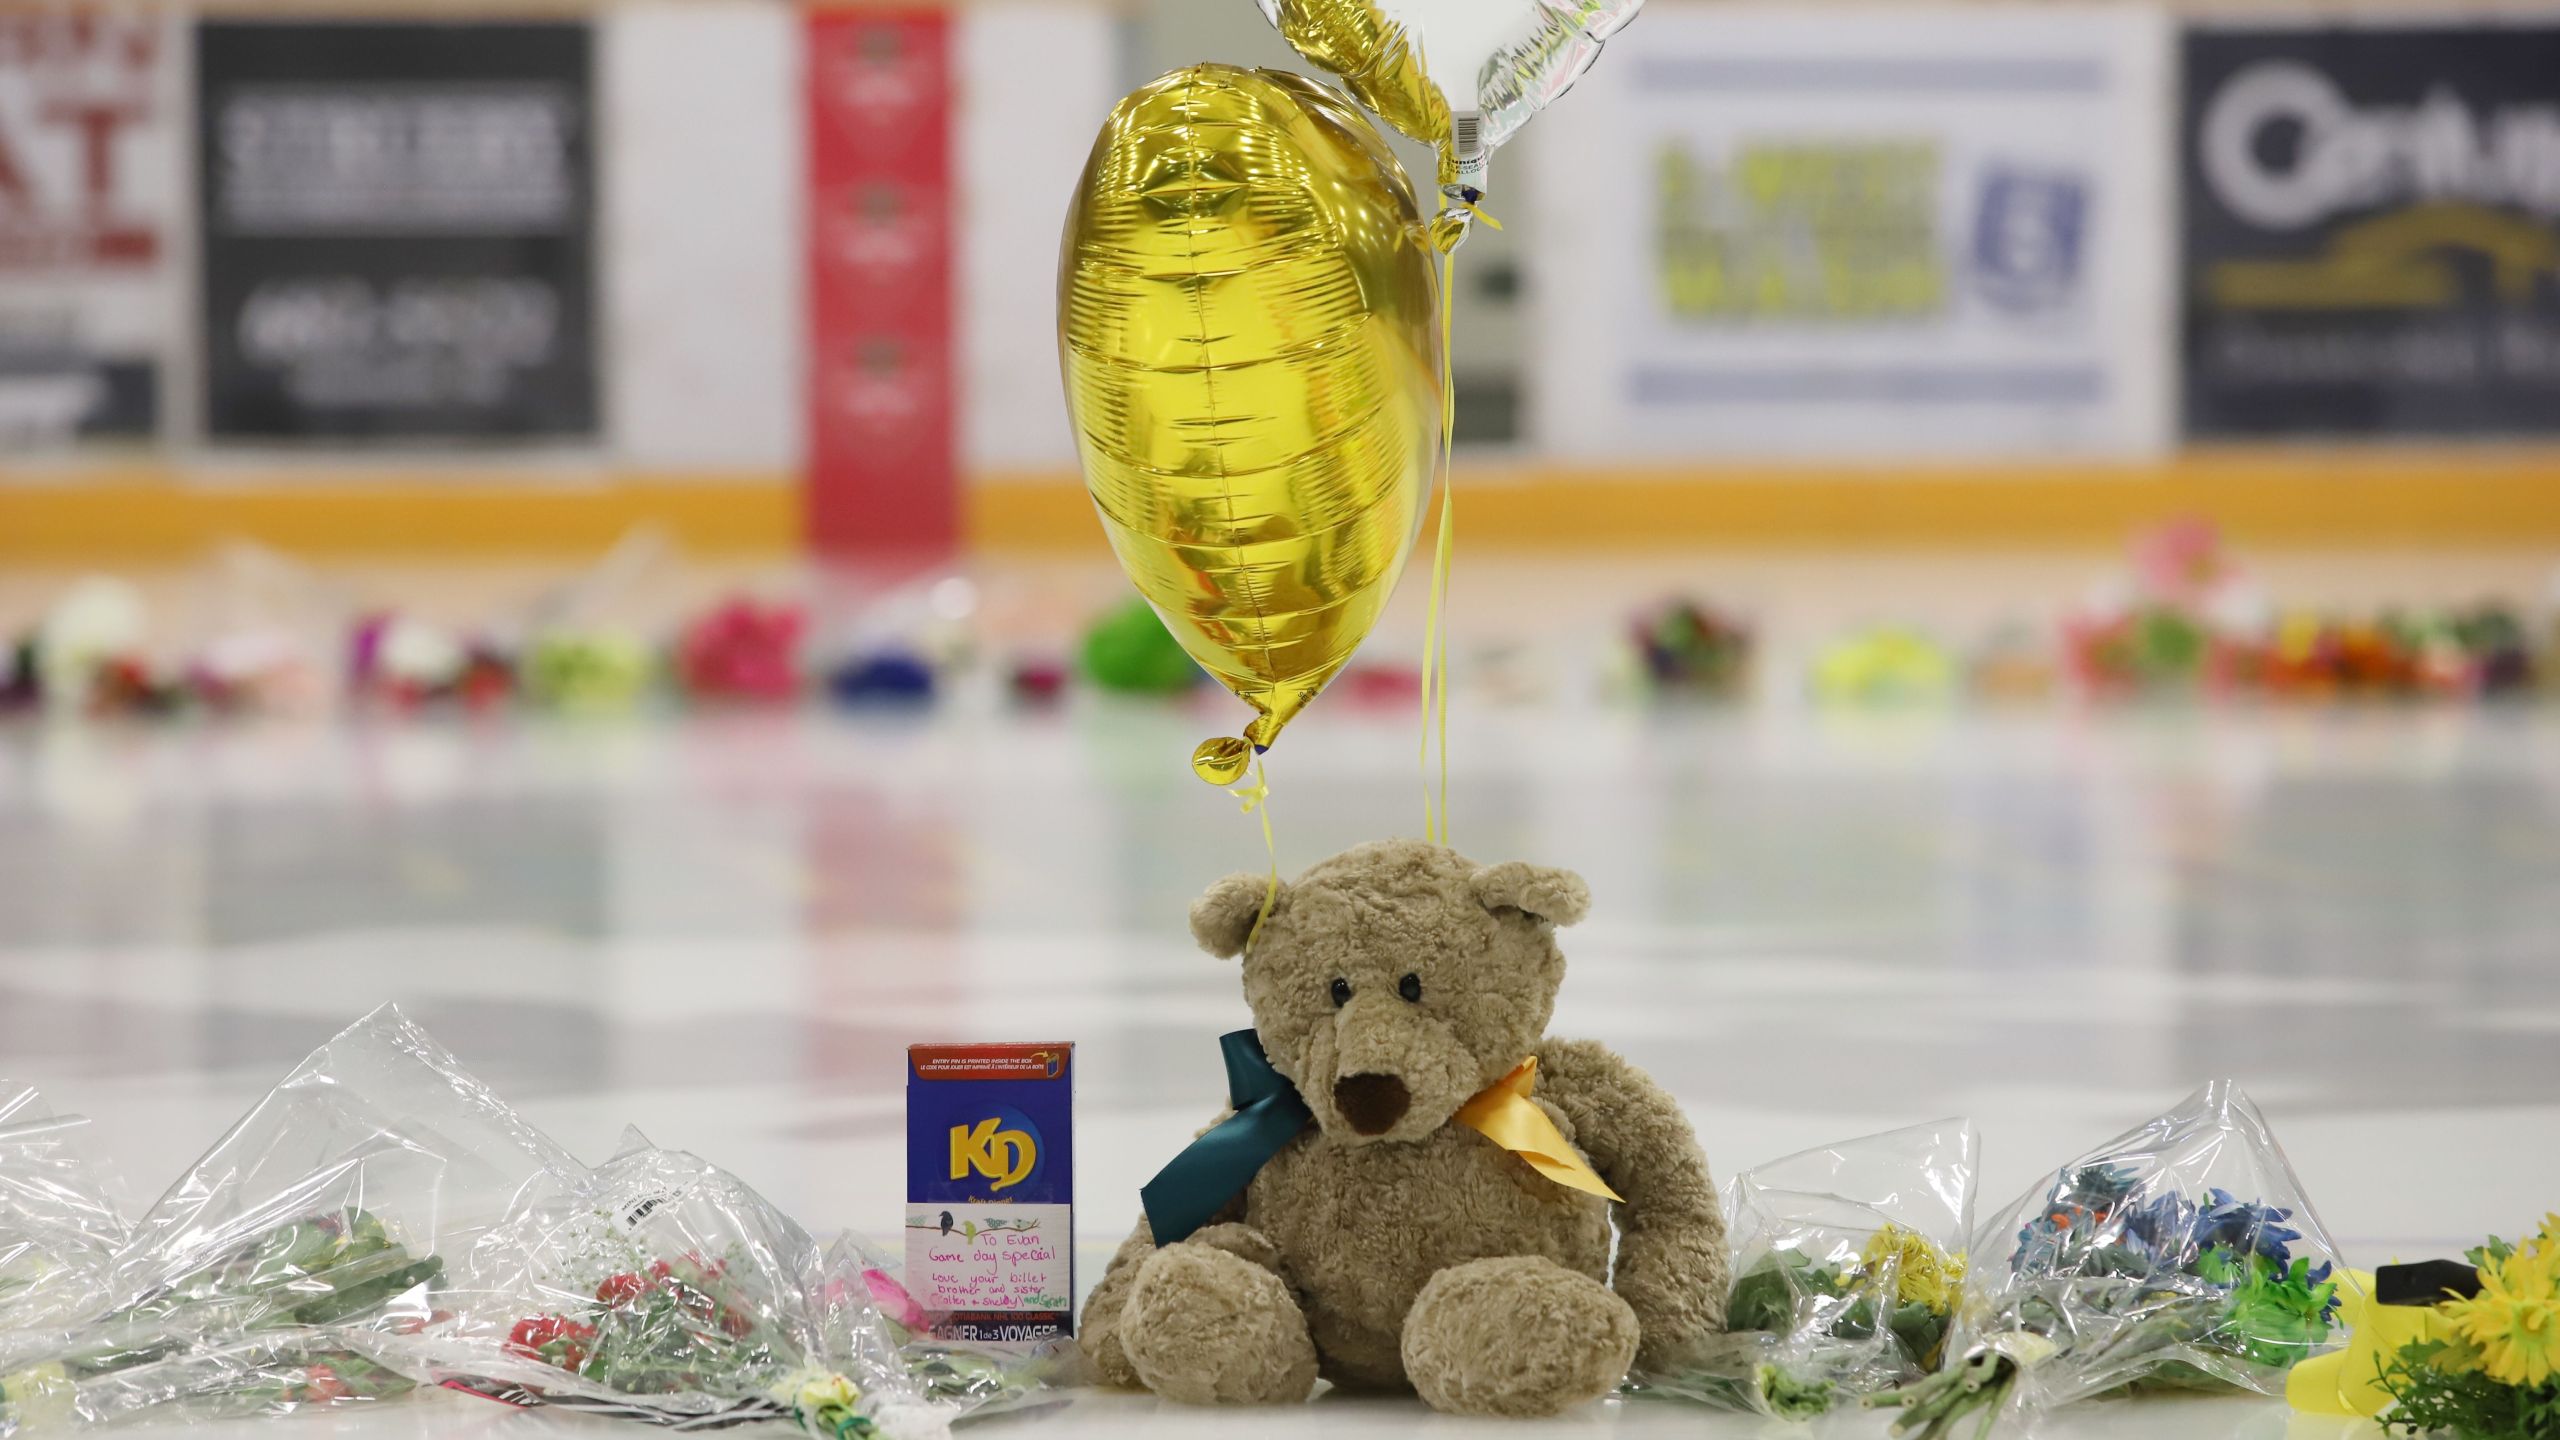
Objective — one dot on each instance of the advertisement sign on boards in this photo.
(1901, 233)
(397, 230)
(2372, 230)
(87, 199)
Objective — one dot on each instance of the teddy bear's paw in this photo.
(1242, 1241)
(1516, 1336)
(1206, 1327)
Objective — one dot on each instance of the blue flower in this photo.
(2246, 1226)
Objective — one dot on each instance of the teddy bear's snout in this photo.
(1372, 1103)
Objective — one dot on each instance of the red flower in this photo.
(321, 1383)
(623, 1289)
(541, 1336)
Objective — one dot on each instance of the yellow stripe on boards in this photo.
(2310, 495)
(143, 515)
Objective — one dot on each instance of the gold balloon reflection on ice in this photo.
(1248, 325)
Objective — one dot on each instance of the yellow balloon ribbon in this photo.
(1504, 1114)
(1448, 228)
(1246, 308)
(1256, 799)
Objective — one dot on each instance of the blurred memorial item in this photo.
(2372, 229)
(398, 230)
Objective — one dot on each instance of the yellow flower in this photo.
(36, 1398)
(1924, 1274)
(2515, 1319)
(826, 1391)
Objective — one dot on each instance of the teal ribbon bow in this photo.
(1215, 1168)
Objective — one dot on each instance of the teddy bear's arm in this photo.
(1098, 1334)
(1672, 1267)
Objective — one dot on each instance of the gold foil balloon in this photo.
(1248, 325)
(1459, 75)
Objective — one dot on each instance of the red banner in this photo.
(882, 449)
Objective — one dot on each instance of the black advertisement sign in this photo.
(398, 230)
(2372, 230)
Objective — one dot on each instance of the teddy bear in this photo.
(1389, 1243)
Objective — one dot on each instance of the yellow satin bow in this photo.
(1503, 1113)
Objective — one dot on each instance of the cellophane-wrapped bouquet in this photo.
(60, 1223)
(1848, 1262)
(2181, 1254)
(324, 1215)
(661, 1288)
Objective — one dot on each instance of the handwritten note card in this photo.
(989, 1256)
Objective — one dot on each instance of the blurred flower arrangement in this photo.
(409, 663)
(1691, 649)
(1127, 650)
(2190, 620)
(1885, 665)
(2182, 618)
(742, 650)
(2491, 1369)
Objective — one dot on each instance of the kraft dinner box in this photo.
(991, 1189)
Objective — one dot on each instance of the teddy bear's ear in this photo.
(1222, 918)
(1539, 891)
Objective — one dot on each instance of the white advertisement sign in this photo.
(89, 196)
(1890, 234)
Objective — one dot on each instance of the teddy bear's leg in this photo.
(1206, 1326)
(1518, 1335)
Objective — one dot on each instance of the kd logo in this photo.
(1004, 1156)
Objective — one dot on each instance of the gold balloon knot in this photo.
(1221, 761)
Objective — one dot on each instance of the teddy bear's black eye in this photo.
(1341, 993)
(1410, 987)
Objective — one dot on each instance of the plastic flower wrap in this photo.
(661, 1288)
(59, 1221)
(326, 1213)
(260, 626)
(2181, 1254)
(584, 646)
(1848, 1265)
